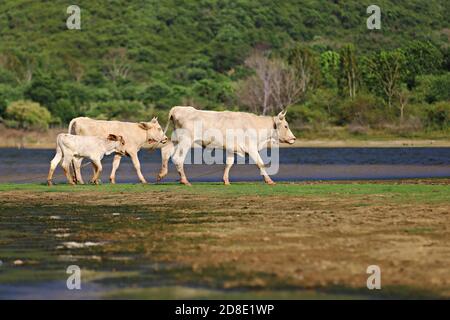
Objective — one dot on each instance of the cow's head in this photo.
(154, 131)
(119, 144)
(281, 125)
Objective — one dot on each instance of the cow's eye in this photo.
(285, 127)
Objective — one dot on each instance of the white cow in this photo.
(188, 121)
(70, 147)
(135, 134)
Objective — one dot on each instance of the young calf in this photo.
(70, 146)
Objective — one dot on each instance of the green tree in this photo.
(384, 72)
(421, 57)
(348, 79)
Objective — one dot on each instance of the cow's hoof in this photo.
(185, 182)
(270, 183)
(49, 183)
(113, 181)
(227, 183)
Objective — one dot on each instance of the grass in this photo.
(401, 192)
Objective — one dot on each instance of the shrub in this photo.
(118, 110)
(364, 110)
(438, 115)
(27, 115)
(432, 88)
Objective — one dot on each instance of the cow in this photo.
(135, 134)
(70, 147)
(186, 119)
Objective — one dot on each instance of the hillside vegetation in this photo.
(133, 59)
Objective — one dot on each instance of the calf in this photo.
(70, 146)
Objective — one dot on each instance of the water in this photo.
(296, 164)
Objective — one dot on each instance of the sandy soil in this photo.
(289, 241)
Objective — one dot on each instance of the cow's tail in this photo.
(71, 126)
(71, 130)
(169, 119)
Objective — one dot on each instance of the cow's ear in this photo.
(154, 120)
(113, 137)
(143, 125)
(122, 140)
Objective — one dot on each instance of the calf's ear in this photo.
(113, 137)
(143, 125)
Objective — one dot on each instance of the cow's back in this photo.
(188, 117)
(133, 135)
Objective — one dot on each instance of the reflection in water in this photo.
(27, 165)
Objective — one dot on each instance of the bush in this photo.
(432, 88)
(118, 110)
(438, 115)
(27, 115)
(364, 110)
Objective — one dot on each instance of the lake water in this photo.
(296, 164)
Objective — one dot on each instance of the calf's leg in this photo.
(77, 170)
(97, 170)
(115, 166)
(53, 164)
(66, 167)
(166, 153)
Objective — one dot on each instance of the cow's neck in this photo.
(270, 126)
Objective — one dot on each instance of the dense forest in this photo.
(133, 59)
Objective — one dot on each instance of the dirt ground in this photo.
(273, 241)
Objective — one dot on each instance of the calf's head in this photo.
(281, 125)
(154, 131)
(118, 144)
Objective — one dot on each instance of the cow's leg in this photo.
(66, 167)
(98, 170)
(137, 166)
(77, 168)
(228, 164)
(179, 156)
(254, 154)
(53, 164)
(115, 166)
(166, 153)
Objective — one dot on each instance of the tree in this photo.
(275, 84)
(329, 67)
(348, 80)
(21, 66)
(421, 57)
(403, 95)
(117, 64)
(385, 71)
(259, 87)
(306, 67)
(75, 68)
